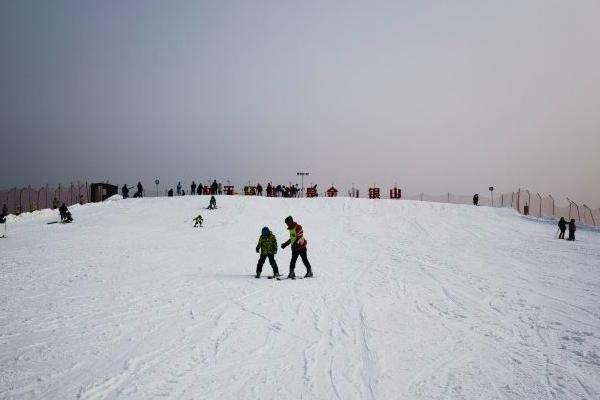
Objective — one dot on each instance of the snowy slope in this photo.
(411, 300)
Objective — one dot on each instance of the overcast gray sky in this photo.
(435, 95)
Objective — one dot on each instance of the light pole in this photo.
(492, 194)
(302, 175)
(156, 182)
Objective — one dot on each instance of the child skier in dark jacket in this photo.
(267, 247)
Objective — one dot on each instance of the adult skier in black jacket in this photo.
(562, 225)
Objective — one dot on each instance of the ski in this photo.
(283, 278)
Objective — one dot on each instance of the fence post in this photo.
(576, 206)
(519, 200)
(540, 197)
(591, 213)
(21, 199)
(448, 197)
(552, 204)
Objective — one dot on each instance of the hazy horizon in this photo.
(438, 97)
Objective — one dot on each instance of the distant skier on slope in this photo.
(298, 243)
(3, 216)
(198, 221)
(212, 203)
(476, 199)
(562, 226)
(572, 229)
(178, 188)
(267, 247)
(125, 191)
(65, 214)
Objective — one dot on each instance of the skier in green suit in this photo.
(267, 247)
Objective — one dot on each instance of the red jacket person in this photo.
(298, 243)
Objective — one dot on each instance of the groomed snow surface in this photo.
(410, 300)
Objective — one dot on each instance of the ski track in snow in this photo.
(410, 300)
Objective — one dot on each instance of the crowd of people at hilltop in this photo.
(216, 188)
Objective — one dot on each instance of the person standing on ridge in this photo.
(125, 191)
(214, 187)
(140, 190)
(178, 188)
(193, 187)
(298, 243)
(476, 199)
(199, 188)
(572, 229)
(562, 226)
(267, 247)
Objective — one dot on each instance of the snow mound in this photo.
(115, 197)
(410, 300)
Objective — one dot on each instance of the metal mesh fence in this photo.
(525, 202)
(18, 200)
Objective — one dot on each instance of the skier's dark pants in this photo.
(562, 234)
(261, 262)
(302, 254)
(571, 235)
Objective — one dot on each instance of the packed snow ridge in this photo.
(410, 300)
